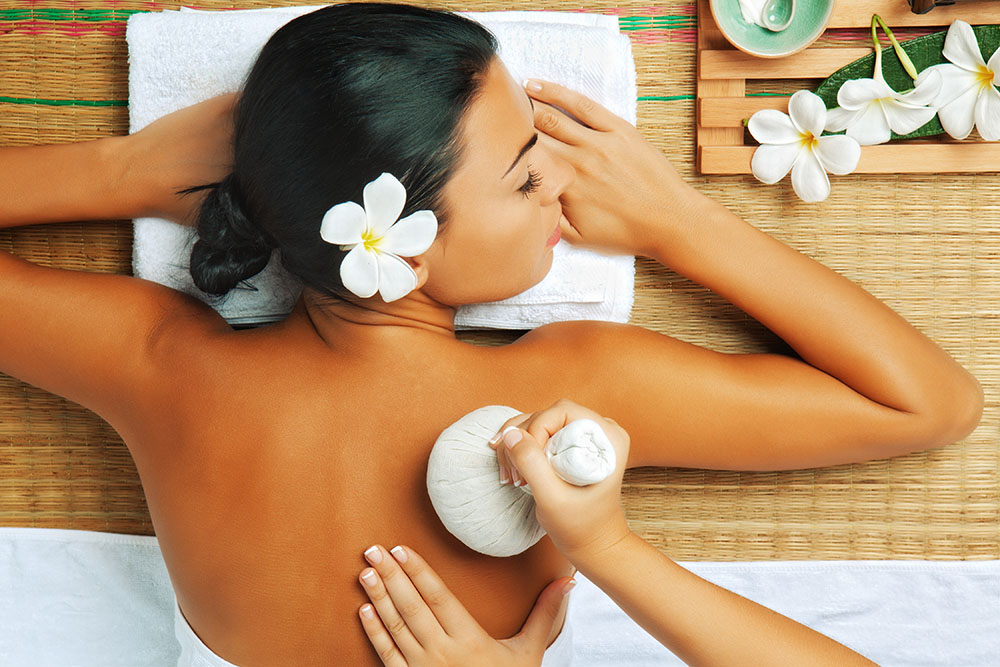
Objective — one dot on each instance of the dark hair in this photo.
(336, 97)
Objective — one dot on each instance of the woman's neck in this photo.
(332, 318)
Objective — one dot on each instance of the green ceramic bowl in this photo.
(807, 24)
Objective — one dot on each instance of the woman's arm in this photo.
(121, 177)
(869, 384)
(100, 340)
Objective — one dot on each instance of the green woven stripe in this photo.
(51, 14)
(64, 103)
(664, 98)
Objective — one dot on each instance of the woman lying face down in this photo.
(271, 458)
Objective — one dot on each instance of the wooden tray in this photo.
(722, 103)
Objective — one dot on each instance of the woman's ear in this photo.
(419, 266)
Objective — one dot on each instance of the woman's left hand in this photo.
(188, 147)
(417, 621)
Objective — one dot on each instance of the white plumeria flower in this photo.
(870, 110)
(968, 92)
(793, 141)
(376, 244)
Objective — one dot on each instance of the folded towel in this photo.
(90, 599)
(179, 58)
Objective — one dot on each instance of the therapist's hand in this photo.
(626, 195)
(582, 521)
(414, 620)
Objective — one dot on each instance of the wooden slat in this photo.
(731, 111)
(817, 63)
(910, 157)
(858, 13)
(710, 38)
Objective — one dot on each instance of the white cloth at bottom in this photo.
(84, 599)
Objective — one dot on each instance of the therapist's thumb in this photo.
(528, 456)
(534, 634)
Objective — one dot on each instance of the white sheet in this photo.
(84, 599)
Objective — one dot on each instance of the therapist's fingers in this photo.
(582, 107)
(453, 616)
(387, 612)
(379, 637)
(508, 474)
(404, 600)
(557, 125)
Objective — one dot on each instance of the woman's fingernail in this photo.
(368, 576)
(366, 612)
(517, 482)
(511, 436)
(504, 476)
(532, 85)
(399, 554)
(569, 586)
(495, 439)
(373, 555)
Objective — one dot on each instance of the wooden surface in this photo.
(723, 71)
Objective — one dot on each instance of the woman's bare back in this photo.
(283, 459)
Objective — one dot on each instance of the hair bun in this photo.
(230, 248)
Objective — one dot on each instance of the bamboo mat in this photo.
(928, 246)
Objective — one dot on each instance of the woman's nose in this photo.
(558, 177)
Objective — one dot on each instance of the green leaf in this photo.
(924, 52)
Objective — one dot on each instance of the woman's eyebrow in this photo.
(524, 149)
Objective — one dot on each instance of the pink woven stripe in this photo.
(685, 36)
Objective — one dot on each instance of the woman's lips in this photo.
(556, 235)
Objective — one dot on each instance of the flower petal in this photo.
(770, 162)
(384, 201)
(856, 93)
(962, 48)
(838, 154)
(958, 116)
(809, 179)
(871, 127)
(395, 277)
(904, 118)
(925, 90)
(808, 112)
(359, 271)
(838, 119)
(994, 66)
(343, 224)
(411, 236)
(770, 126)
(988, 114)
(954, 82)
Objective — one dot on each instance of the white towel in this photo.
(179, 58)
(85, 599)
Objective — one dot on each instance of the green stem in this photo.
(900, 53)
(878, 50)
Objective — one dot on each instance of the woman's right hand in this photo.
(582, 521)
(626, 191)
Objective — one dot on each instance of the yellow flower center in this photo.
(985, 76)
(370, 241)
(809, 140)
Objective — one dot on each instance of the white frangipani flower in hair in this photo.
(969, 95)
(378, 241)
(792, 141)
(870, 110)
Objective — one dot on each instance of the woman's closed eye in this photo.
(532, 184)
